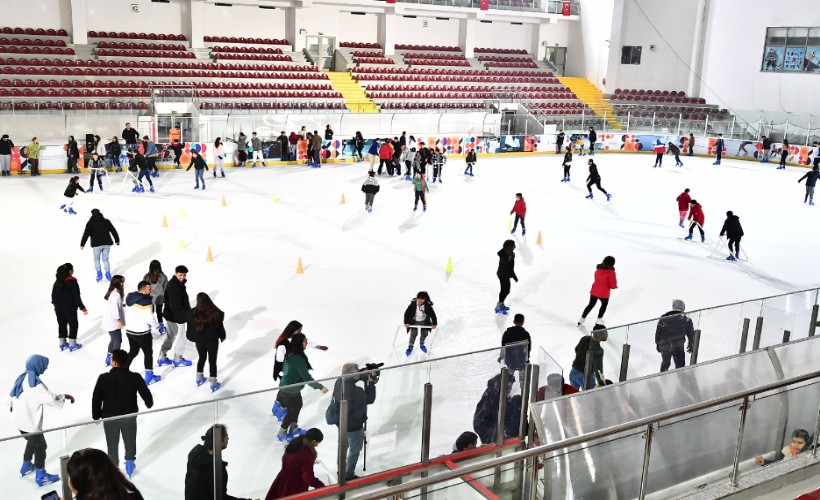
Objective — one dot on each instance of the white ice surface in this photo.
(361, 270)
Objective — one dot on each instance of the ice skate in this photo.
(27, 468)
(703, 239)
(108, 275)
(203, 187)
(589, 196)
(63, 344)
(129, 468)
(409, 351)
(581, 321)
(200, 379)
(150, 378)
(180, 361)
(223, 174)
(142, 189)
(214, 174)
(731, 257)
(424, 208)
(90, 188)
(415, 207)
(513, 231)
(688, 237)
(608, 197)
(99, 276)
(681, 224)
(152, 189)
(108, 359)
(523, 232)
(163, 360)
(43, 478)
(600, 321)
(196, 187)
(214, 384)
(71, 211)
(423, 348)
(73, 345)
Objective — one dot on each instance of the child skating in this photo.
(200, 166)
(811, 180)
(594, 179)
(675, 150)
(471, 161)
(520, 211)
(659, 151)
(96, 165)
(605, 281)
(420, 189)
(71, 193)
(698, 219)
(579, 142)
(439, 159)
(505, 272)
(683, 200)
(567, 164)
(370, 188)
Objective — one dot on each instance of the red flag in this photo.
(485, 4)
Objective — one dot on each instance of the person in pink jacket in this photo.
(605, 280)
(219, 156)
(520, 211)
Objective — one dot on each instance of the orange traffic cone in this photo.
(164, 221)
(299, 268)
(210, 256)
(538, 241)
(224, 201)
(343, 199)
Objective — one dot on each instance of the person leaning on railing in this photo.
(800, 440)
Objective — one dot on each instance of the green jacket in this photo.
(296, 372)
(420, 185)
(33, 150)
(257, 144)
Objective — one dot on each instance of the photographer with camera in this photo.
(357, 400)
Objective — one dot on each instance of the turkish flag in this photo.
(567, 8)
(485, 4)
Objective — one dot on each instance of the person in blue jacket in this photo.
(719, 147)
(373, 152)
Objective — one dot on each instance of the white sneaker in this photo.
(600, 321)
(581, 321)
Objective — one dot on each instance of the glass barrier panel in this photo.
(794, 313)
(458, 489)
(613, 351)
(644, 358)
(551, 376)
(13, 452)
(720, 330)
(797, 358)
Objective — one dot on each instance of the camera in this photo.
(374, 376)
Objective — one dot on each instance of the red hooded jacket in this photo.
(520, 208)
(296, 475)
(386, 152)
(683, 201)
(696, 214)
(605, 280)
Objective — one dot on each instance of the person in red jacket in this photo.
(297, 475)
(659, 151)
(386, 157)
(683, 200)
(605, 280)
(520, 211)
(697, 218)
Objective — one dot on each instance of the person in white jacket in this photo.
(28, 397)
(139, 320)
(219, 156)
(113, 320)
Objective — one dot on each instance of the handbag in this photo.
(332, 413)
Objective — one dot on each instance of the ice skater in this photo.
(733, 231)
(113, 318)
(811, 180)
(559, 141)
(594, 179)
(151, 155)
(137, 162)
(158, 281)
(66, 299)
(100, 230)
(97, 166)
(719, 147)
(373, 152)
(816, 152)
(691, 145)
(505, 272)
(282, 346)
(659, 151)
(420, 189)
(386, 157)
(370, 188)
(593, 138)
(200, 166)
(605, 281)
(784, 154)
(766, 146)
(741, 150)
(471, 161)
(219, 156)
(520, 210)
(139, 320)
(567, 164)
(295, 373)
(683, 200)
(579, 143)
(177, 147)
(177, 312)
(698, 219)
(439, 160)
(675, 150)
(28, 397)
(419, 317)
(406, 159)
(206, 329)
(70, 193)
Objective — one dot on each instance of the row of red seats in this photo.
(652, 98)
(484, 50)
(505, 59)
(367, 53)
(375, 60)
(246, 50)
(673, 93)
(33, 31)
(558, 105)
(25, 49)
(146, 53)
(140, 46)
(432, 105)
(359, 45)
(256, 94)
(477, 79)
(74, 106)
(558, 112)
(252, 57)
(143, 84)
(286, 105)
(257, 41)
(436, 62)
(415, 55)
(100, 63)
(464, 95)
(73, 93)
(454, 72)
(37, 42)
(136, 36)
(493, 64)
(467, 88)
(648, 110)
(437, 48)
(290, 73)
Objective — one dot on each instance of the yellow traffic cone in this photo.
(449, 268)
(538, 241)
(343, 199)
(210, 256)
(224, 201)
(510, 225)
(164, 221)
(181, 213)
(274, 199)
(181, 243)
(299, 268)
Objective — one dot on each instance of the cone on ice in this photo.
(539, 241)
(299, 268)
(181, 213)
(224, 201)
(181, 243)
(164, 221)
(343, 199)
(510, 225)
(449, 268)
(274, 199)
(210, 256)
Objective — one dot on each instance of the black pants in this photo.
(783, 156)
(158, 309)
(128, 428)
(666, 360)
(147, 174)
(592, 300)
(596, 183)
(407, 165)
(734, 243)
(36, 449)
(558, 146)
(437, 171)
(144, 342)
(519, 218)
(71, 166)
(383, 163)
(292, 401)
(694, 225)
(505, 288)
(816, 162)
(420, 196)
(152, 163)
(567, 166)
(469, 168)
(659, 159)
(717, 155)
(115, 160)
(359, 152)
(96, 177)
(207, 350)
(67, 324)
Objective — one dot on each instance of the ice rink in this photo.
(360, 273)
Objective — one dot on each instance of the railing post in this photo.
(527, 397)
(624, 362)
(743, 409)
(603, 127)
(680, 119)
(816, 434)
(647, 449)
(786, 336)
(785, 130)
(583, 115)
(587, 370)
(813, 325)
(532, 462)
(67, 493)
(628, 117)
(653, 122)
(706, 127)
(499, 430)
(744, 335)
(693, 359)
(341, 457)
(217, 450)
(426, 425)
(808, 133)
(758, 333)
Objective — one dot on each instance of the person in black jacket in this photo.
(113, 150)
(357, 401)
(588, 344)
(674, 328)
(177, 313)
(567, 164)
(485, 418)
(131, 137)
(811, 181)
(733, 231)
(358, 145)
(115, 394)
(284, 144)
(207, 330)
(177, 148)
(100, 230)
(70, 193)
(370, 188)
(328, 133)
(505, 272)
(516, 357)
(471, 160)
(594, 179)
(199, 477)
(419, 313)
(593, 138)
(65, 297)
(5, 155)
(200, 166)
(559, 141)
(72, 154)
(784, 154)
(141, 164)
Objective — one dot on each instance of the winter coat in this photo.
(373, 150)
(116, 393)
(68, 298)
(158, 288)
(72, 188)
(328, 134)
(207, 334)
(177, 303)
(5, 147)
(674, 149)
(114, 312)
(559, 139)
(683, 200)
(593, 136)
(605, 280)
(659, 149)
(130, 135)
(199, 477)
(439, 159)
(137, 163)
(371, 185)
(419, 184)
(402, 141)
(113, 148)
(357, 401)
(98, 163)
(519, 208)
(506, 267)
(767, 144)
(386, 152)
(33, 150)
(516, 357)
(296, 475)
(471, 157)
(139, 314)
(593, 173)
(293, 138)
(27, 408)
(673, 329)
(256, 144)
(719, 146)
(567, 157)
(281, 354)
(732, 228)
(283, 142)
(588, 344)
(358, 142)
(296, 371)
(485, 417)
(150, 149)
(100, 230)
(430, 313)
(811, 178)
(696, 214)
(242, 142)
(198, 163)
(71, 150)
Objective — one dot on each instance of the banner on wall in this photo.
(773, 59)
(812, 60)
(793, 60)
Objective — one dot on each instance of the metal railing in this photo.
(547, 6)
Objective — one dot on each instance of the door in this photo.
(183, 126)
(557, 56)
(321, 49)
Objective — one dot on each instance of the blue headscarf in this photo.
(35, 366)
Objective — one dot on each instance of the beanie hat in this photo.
(678, 305)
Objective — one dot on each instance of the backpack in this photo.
(332, 413)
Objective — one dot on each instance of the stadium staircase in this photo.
(592, 97)
(354, 95)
